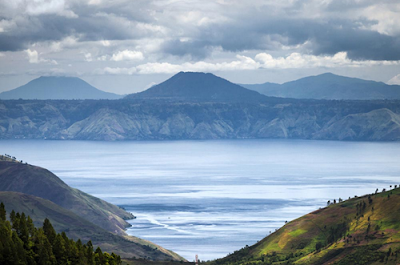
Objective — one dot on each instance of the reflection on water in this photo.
(213, 197)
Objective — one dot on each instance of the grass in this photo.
(341, 232)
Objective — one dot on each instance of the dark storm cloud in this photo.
(243, 27)
(324, 37)
(195, 49)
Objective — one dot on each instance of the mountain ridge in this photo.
(57, 88)
(329, 86)
(160, 120)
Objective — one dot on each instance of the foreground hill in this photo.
(57, 87)
(158, 120)
(199, 87)
(329, 86)
(363, 230)
(42, 183)
(77, 227)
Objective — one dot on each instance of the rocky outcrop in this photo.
(132, 120)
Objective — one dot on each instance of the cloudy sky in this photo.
(124, 46)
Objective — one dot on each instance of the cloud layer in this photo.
(166, 36)
(261, 61)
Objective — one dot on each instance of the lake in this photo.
(213, 197)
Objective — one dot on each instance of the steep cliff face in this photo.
(134, 120)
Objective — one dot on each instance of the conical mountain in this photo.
(57, 87)
(201, 87)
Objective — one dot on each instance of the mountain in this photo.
(57, 87)
(199, 87)
(362, 230)
(77, 227)
(329, 86)
(42, 183)
(160, 120)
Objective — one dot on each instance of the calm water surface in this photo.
(213, 197)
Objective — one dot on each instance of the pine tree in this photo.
(23, 232)
(31, 226)
(49, 231)
(59, 249)
(89, 253)
(2, 212)
(12, 216)
(98, 257)
(21, 243)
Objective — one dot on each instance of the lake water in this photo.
(213, 197)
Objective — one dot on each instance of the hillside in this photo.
(57, 87)
(362, 230)
(40, 182)
(329, 86)
(76, 227)
(159, 120)
(199, 87)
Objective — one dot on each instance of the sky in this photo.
(125, 46)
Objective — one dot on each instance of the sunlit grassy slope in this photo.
(362, 230)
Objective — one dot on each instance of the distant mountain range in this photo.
(41, 194)
(204, 106)
(198, 87)
(329, 86)
(57, 87)
(206, 87)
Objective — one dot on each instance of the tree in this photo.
(2, 212)
(49, 231)
(21, 243)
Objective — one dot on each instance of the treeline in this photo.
(22, 243)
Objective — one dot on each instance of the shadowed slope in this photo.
(76, 227)
(40, 182)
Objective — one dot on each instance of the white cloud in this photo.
(88, 57)
(33, 57)
(127, 55)
(261, 61)
(395, 80)
(6, 25)
(118, 71)
(67, 42)
(39, 7)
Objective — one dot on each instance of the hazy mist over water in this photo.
(213, 197)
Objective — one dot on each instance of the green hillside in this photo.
(76, 227)
(362, 230)
(37, 181)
